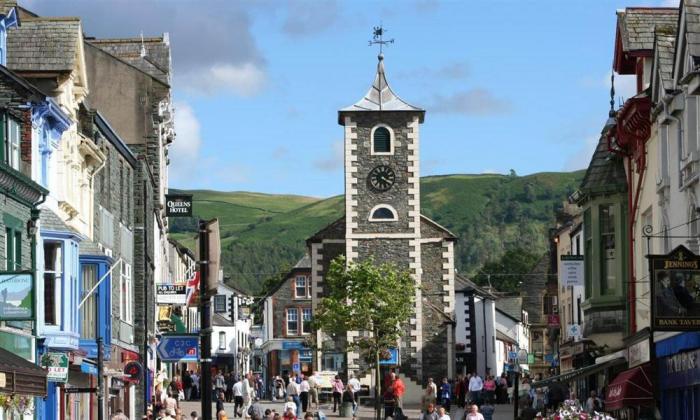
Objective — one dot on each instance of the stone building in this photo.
(383, 221)
(287, 311)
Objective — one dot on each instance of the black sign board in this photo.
(675, 290)
(80, 390)
(178, 205)
(133, 371)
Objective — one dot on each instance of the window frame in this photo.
(305, 287)
(288, 319)
(12, 144)
(392, 140)
(13, 249)
(217, 302)
(304, 321)
(608, 265)
(87, 311)
(58, 273)
(222, 340)
(378, 207)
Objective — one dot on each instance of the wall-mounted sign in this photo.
(56, 365)
(133, 371)
(174, 294)
(522, 356)
(638, 353)
(574, 331)
(178, 205)
(16, 296)
(675, 280)
(571, 270)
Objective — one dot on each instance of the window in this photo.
(306, 321)
(292, 321)
(381, 140)
(126, 301)
(53, 276)
(300, 287)
(106, 228)
(12, 143)
(383, 213)
(220, 304)
(127, 243)
(607, 248)
(588, 252)
(691, 133)
(222, 340)
(13, 249)
(87, 311)
(663, 155)
(550, 305)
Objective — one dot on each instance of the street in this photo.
(503, 412)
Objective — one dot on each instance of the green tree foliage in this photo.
(506, 274)
(366, 297)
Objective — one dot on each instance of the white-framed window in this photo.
(383, 213)
(292, 321)
(301, 287)
(13, 249)
(306, 317)
(88, 320)
(382, 140)
(126, 301)
(53, 278)
(220, 304)
(106, 228)
(222, 340)
(12, 145)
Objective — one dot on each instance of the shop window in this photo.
(292, 321)
(53, 276)
(306, 321)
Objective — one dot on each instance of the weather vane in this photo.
(378, 38)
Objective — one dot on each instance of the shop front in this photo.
(630, 395)
(120, 387)
(679, 376)
(285, 357)
(20, 382)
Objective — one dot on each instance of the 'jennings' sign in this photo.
(675, 288)
(178, 205)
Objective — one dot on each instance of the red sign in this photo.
(133, 371)
(553, 320)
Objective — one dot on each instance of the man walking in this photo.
(355, 384)
(476, 384)
(293, 391)
(238, 398)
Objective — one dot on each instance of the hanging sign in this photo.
(178, 205)
(56, 365)
(16, 296)
(133, 371)
(675, 284)
(571, 270)
(171, 294)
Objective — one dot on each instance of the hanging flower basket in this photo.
(19, 405)
(572, 410)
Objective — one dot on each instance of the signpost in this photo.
(179, 348)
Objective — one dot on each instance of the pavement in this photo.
(503, 412)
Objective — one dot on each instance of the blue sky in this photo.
(520, 85)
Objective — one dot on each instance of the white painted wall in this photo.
(485, 323)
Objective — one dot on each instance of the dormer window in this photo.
(383, 213)
(382, 140)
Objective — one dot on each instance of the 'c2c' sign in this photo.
(178, 205)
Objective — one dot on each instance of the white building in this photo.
(512, 333)
(475, 329)
(231, 322)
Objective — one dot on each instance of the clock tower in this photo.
(383, 221)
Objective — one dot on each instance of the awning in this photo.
(504, 338)
(584, 371)
(630, 388)
(21, 376)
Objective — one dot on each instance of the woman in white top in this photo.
(473, 413)
(304, 388)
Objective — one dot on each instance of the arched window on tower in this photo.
(381, 140)
(383, 213)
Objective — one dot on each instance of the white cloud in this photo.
(581, 158)
(245, 79)
(471, 102)
(184, 153)
(335, 159)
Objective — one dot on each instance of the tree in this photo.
(364, 296)
(508, 273)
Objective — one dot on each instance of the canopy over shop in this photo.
(21, 377)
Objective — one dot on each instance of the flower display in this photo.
(572, 410)
(17, 404)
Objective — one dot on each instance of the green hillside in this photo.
(263, 234)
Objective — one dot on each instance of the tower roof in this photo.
(380, 97)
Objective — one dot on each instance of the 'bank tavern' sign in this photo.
(178, 205)
(675, 290)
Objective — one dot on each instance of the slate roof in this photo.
(45, 44)
(463, 284)
(605, 173)
(220, 321)
(303, 263)
(664, 50)
(50, 221)
(88, 247)
(155, 62)
(380, 97)
(511, 306)
(692, 26)
(637, 25)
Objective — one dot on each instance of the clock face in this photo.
(381, 178)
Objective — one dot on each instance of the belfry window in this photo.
(381, 140)
(383, 213)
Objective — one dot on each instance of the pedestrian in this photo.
(221, 414)
(489, 388)
(228, 379)
(195, 385)
(290, 404)
(433, 388)
(194, 415)
(442, 415)
(170, 403)
(349, 397)
(304, 389)
(487, 409)
(502, 389)
(338, 388)
(248, 393)
(593, 403)
(427, 399)
(476, 384)
(289, 414)
(430, 413)
(119, 415)
(355, 384)
(389, 402)
(187, 384)
(399, 389)
(256, 411)
(445, 394)
(473, 413)
(238, 398)
(220, 398)
(219, 383)
(459, 390)
(293, 391)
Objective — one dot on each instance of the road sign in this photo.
(522, 356)
(179, 348)
(80, 390)
(296, 367)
